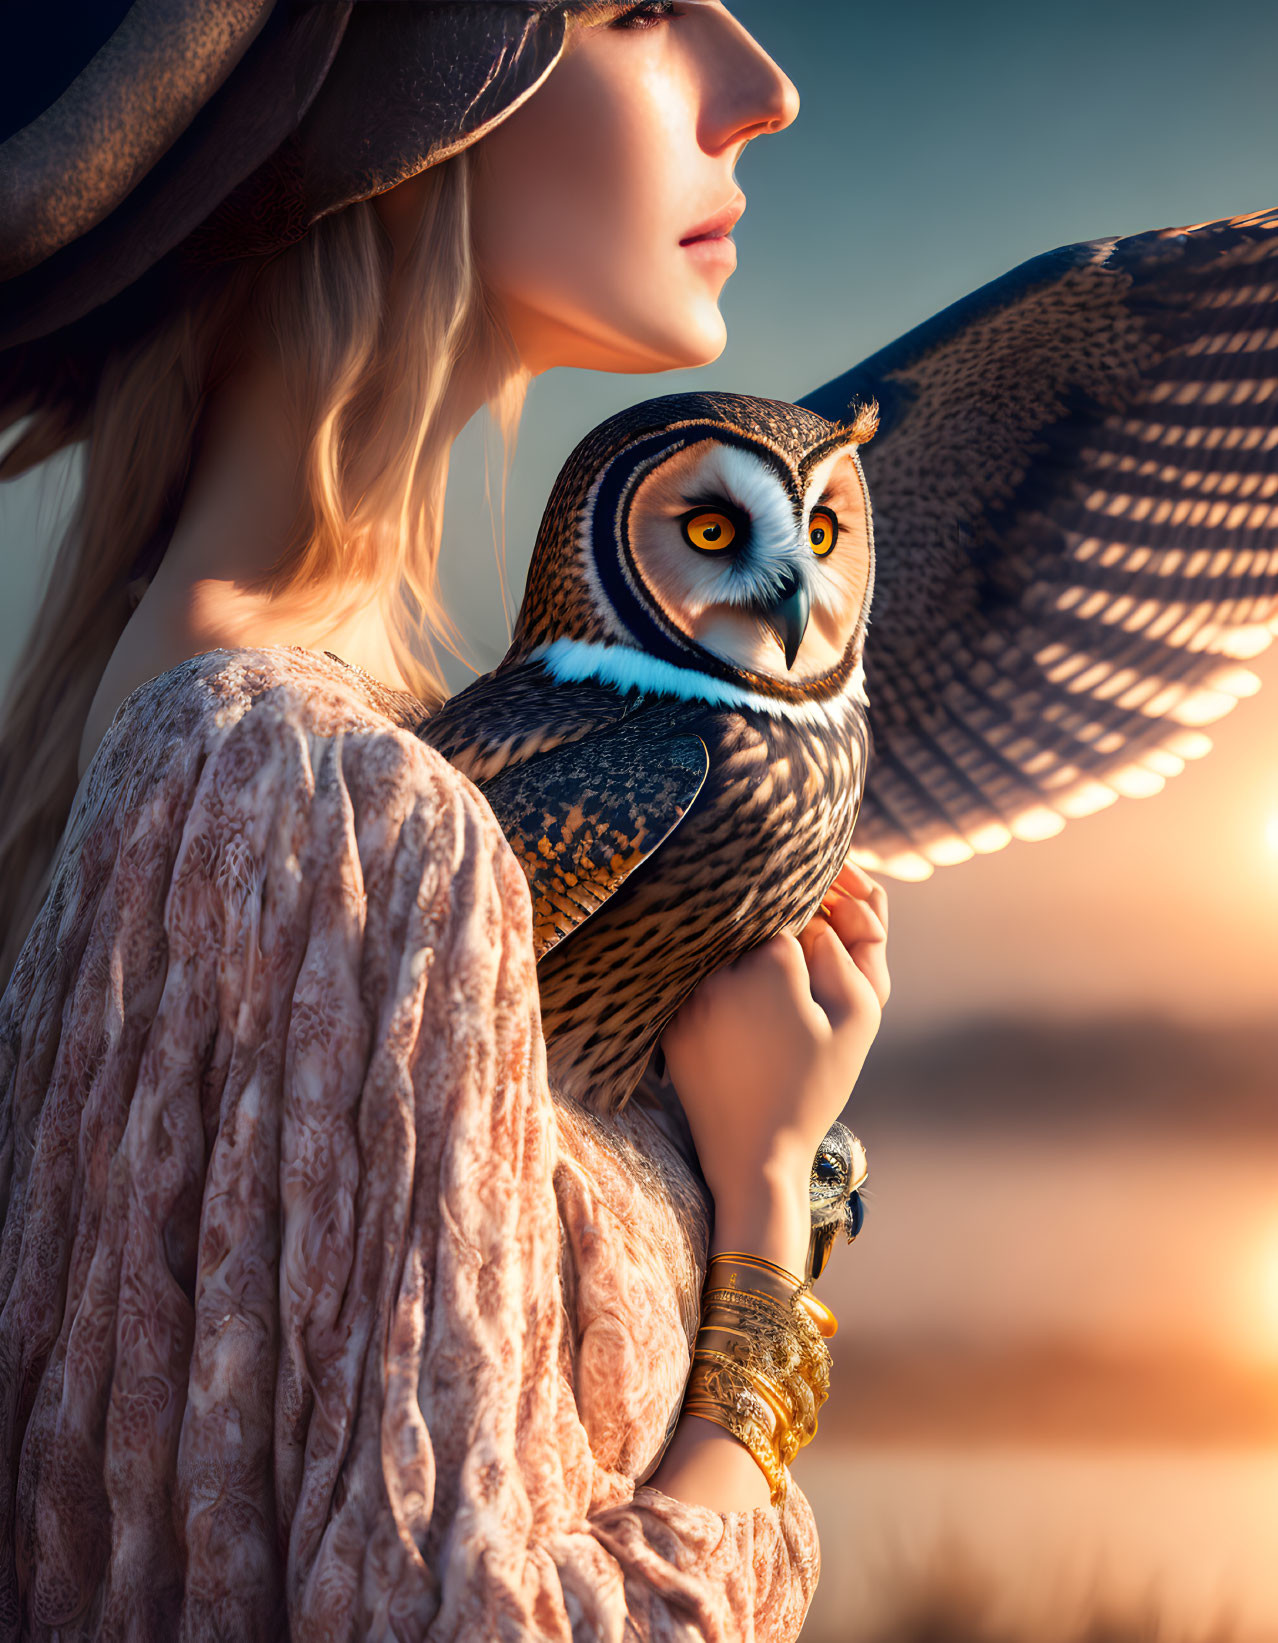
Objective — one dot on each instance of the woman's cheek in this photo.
(580, 205)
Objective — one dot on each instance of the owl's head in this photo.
(712, 532)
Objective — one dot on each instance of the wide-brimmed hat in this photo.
(138, 137)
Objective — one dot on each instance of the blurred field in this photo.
(1079, 1072)
(1049, 1544)
(1054, 1416)
(954, 1601)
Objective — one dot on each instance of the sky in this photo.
(938, 146)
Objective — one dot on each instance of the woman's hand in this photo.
(764, 1055)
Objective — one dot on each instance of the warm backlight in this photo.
(1266, 1296)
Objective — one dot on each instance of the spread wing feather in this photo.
(581, 818)
(1075, 490)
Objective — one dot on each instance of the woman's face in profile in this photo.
(602, 206)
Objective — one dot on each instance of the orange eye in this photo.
(709, 531)
(823, 531)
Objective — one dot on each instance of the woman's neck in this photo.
(244, 494)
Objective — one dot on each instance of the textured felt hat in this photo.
(140, 135)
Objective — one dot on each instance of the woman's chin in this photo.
(713, 343)
(682, 337)
(698, 341)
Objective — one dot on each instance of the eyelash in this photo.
(648, 14)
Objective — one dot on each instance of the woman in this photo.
(315, 1302)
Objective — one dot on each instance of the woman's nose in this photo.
(782, 105)
(751, 94)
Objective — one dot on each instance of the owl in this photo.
(676, 742)
(1074, 549)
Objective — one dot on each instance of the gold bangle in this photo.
(764, 1314)
(757, 1446)
(793, 1377)
(753, 1273)
(741, 1258)
(772, 1394)
(735, 1403)
(733, 1400)
(791, 1401)
(804, 1376)
(757, 1302)
(827, 1324)
(760, 1336)
(761, 1368)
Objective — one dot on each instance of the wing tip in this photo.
(907, 865)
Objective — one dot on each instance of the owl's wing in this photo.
(516, 713)
(1075, 493)
(582, 817)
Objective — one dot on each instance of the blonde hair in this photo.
(366, 368)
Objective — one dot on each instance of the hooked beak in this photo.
(787, 616)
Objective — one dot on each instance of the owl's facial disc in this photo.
(730, 559)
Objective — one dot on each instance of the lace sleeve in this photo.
(282, 1327)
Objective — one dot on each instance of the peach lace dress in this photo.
(320, 1316)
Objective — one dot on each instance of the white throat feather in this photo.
(626, 669)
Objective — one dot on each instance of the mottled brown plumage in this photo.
(1076, 510)
(625, 797)
(678, 812)
(755, 854)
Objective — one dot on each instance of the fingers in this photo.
(855, 921)
(781, 953)
(857, 911)
(871, 959)
(777, 965)
(814, 969)
(855, 882)
(834, 978)
(829, 963)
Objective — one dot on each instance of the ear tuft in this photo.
(864, 424)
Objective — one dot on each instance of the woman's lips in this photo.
(712, 241)
(721, 224)
(717, 249)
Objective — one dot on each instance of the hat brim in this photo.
(336, 105)
(411, 85)
(246, 119)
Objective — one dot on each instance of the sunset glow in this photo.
(1266, 1321)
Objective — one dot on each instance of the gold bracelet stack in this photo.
(760, 1366)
